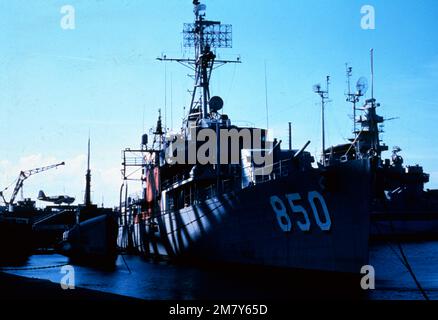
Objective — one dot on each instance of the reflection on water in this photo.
(148, 280)
(394, 280)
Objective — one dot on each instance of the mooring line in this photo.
(408, 266)
(126, 264)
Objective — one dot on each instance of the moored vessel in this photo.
(401, 208)
(228, 194)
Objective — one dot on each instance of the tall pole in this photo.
(323, 130)
(324, 96)
(354, 117)
(165, 95)
(290, 136)
(374, 123)
(171, 101)
(87, 198)
(372, 73)
(266, 98)
(351, 96)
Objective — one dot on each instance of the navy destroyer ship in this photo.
(207, 196)
(401, 207)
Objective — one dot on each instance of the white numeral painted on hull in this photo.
(297, 209)
(282, 217)
(302, 217)
(311, 197)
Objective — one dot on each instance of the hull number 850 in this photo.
(299, 213)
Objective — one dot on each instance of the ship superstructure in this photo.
(251, 202)
(400, 206)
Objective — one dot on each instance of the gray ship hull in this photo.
(92, 241)
(313, 220)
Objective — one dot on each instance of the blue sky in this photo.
(58, 85)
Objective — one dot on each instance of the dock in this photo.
(20, 288)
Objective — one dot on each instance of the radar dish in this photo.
(362, 86)
(216, 103)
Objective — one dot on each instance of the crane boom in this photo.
(3, 197)
(26, 174)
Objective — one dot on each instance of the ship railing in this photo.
(266, 173)
(134, 161)
(171, 181)
(269, 172)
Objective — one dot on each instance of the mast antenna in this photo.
(266, 98)
(372, 73)
(165, 96)
(354, 98)
(87, 198)
(349, 73)
(351, 97)
(204, 36)
(171, 101)
(324, 94)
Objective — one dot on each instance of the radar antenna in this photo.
(354, 98)
(361, 86)
(204, 36)
(368, 143)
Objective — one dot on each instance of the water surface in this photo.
(161, 281)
